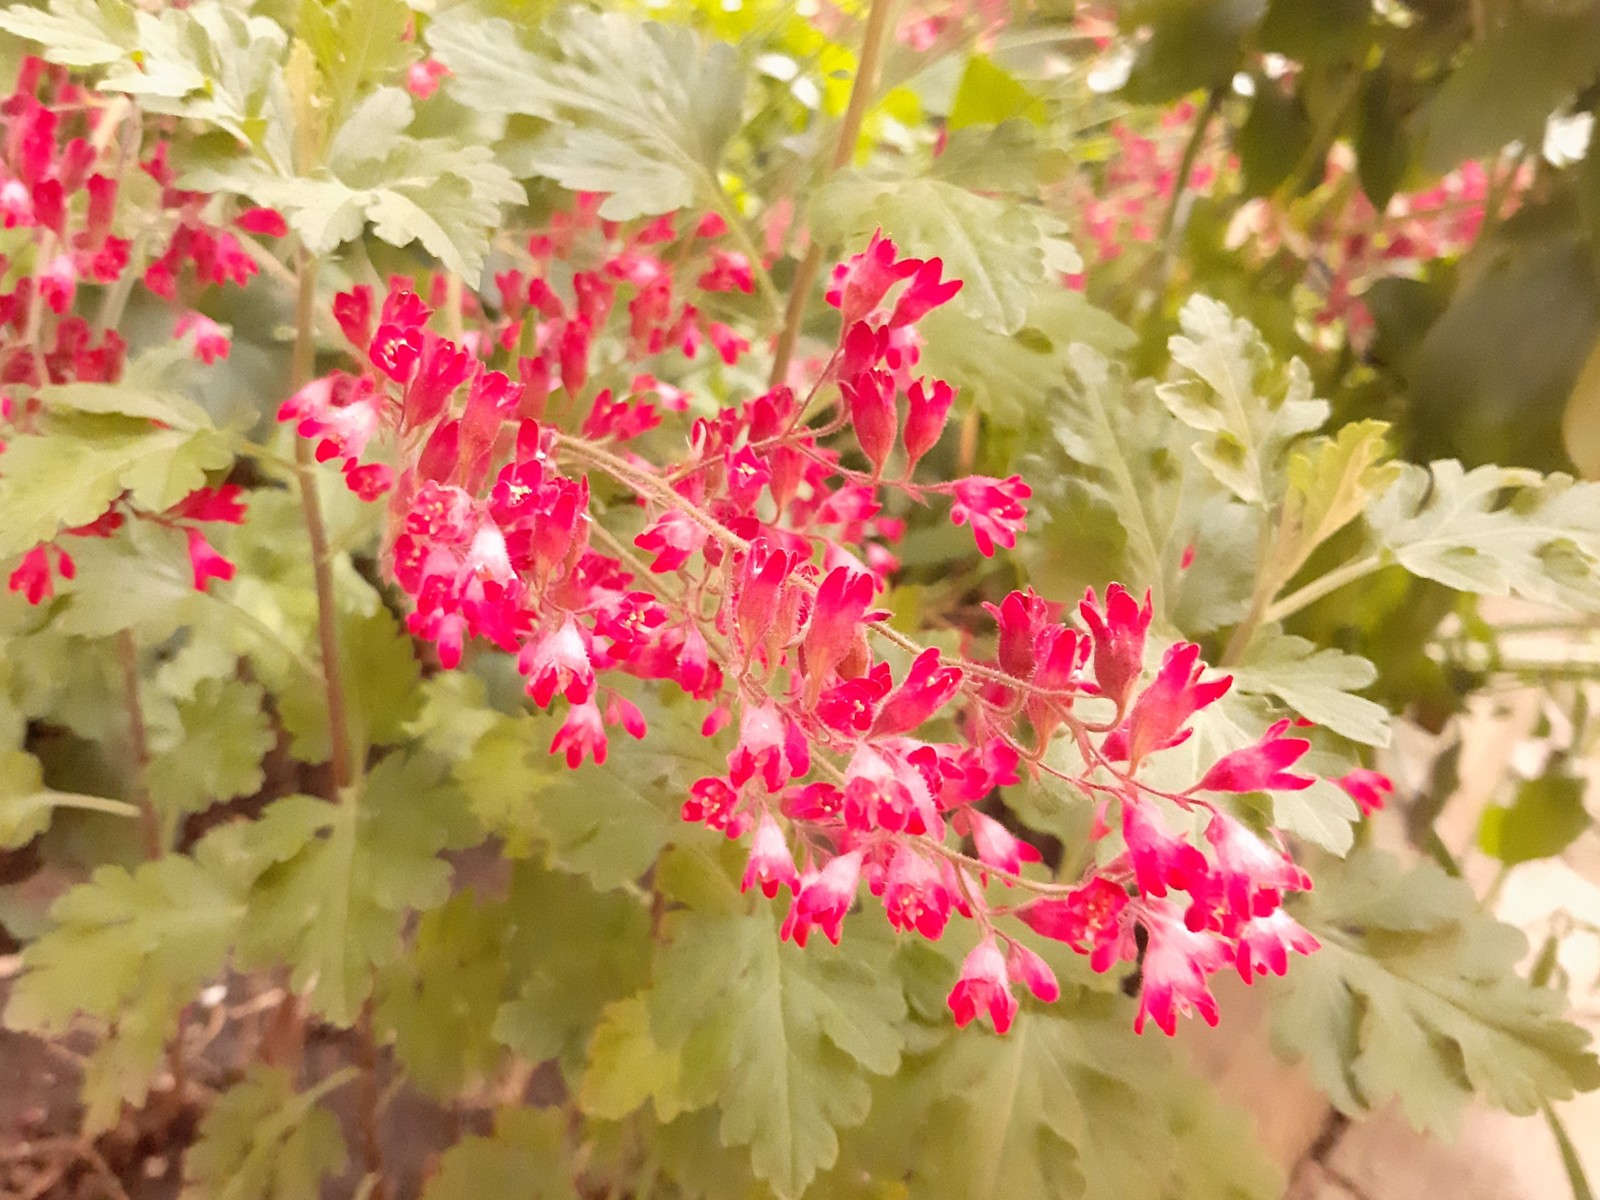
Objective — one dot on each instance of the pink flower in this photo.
(983, 985)
(1265, 942)
(212, 504)
(1119, 635)
(771, 865)
(210, 339)
(823, 899)
(422, 78)
(1159, 713)
(927, 688)
(1261, 767)
(842, 603)
(32, 576)
(1160, 859)
(1028, 969)
(916, 894)
(204, 561)
(1022, 618)
(558, 663)
(263, 222)
(713, 801)
(581, 734)
(857, 286)
(728, 343)
(672, 538)
(58, 282)
(997, 846)
(994, 508)
(395, 350)
(1177, 965)
(730, 271)
(1092, 920)
(1249, 876)
(870, 399)
(924, 293)
(761, 580)
(771, 746)
(927, 410)
(1367, 788)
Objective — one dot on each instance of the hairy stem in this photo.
(844, 148)
(1327, 584)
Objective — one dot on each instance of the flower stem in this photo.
(844, 149)
(1335, 579)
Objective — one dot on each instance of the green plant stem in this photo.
(1191, 152)
(301, 365)
(844, 148)
(1325, 585)
(1576, 1178)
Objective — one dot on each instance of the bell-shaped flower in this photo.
(824, 898)
(1367, 788)
(927, 688)
(770, 865)
(581, 734)
(994, 509)
(1178, 964)
(1261, 767)
(870, 399)
(983, 985)
(927, 409)
(1161, 710)
(1118, 632)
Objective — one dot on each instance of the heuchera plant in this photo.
(622, 581)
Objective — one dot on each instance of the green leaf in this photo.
(1229, 369)
(440, 999)
(990, 95)
(216, 752)
(1545, 818)
(626, 1067)
(1414, 996)
(141, 580)
(1510, 82)
(1315, 683)
(1496, 531)
(607, 822)
(356, 42)
(336, 882)
(572, 951)
(526, 1157)
(264, 1141)
(70, 474)
(75, 33)
(637, 110)
(168, 923)
(380, 673)
(445, 194)
(780, 1036)
(1330, 482)
(1131, 470)
(1072, 1104)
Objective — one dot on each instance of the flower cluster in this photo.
(754, 585)
(60, 180)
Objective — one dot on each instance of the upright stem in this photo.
(341, 752)
(301, 366)
(844, 148)
(149, 822)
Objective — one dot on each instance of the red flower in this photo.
(1160, 859)
(212, 504)
(1159, 713)
(1177, 964)
(997, 846)
(205, 562)
(210, 339)
(558, 662)
(1367, 788)
(857, 285)
(870, 400)
(924, 293)
(771, 865)
(1092, 920)
(1118, 634)
(994, 507)
(581, 734)
(927, 688)
(422, 78)
(263, 222)
(927, 410)
(1265, 942)
(983, 985)
(1261, 767)
(823, 899)
(673, 539)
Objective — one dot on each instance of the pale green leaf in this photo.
(335, 883)
(75, 33)
(527, 1156)
(781, 1036)
(1414, 997)
(1316, 683)
(637, 110)
(626, 1067)
(264, 1141)
(1330, 482)
(215, 754)
(1546, 816)
(1495, 530)
(1233, 395)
